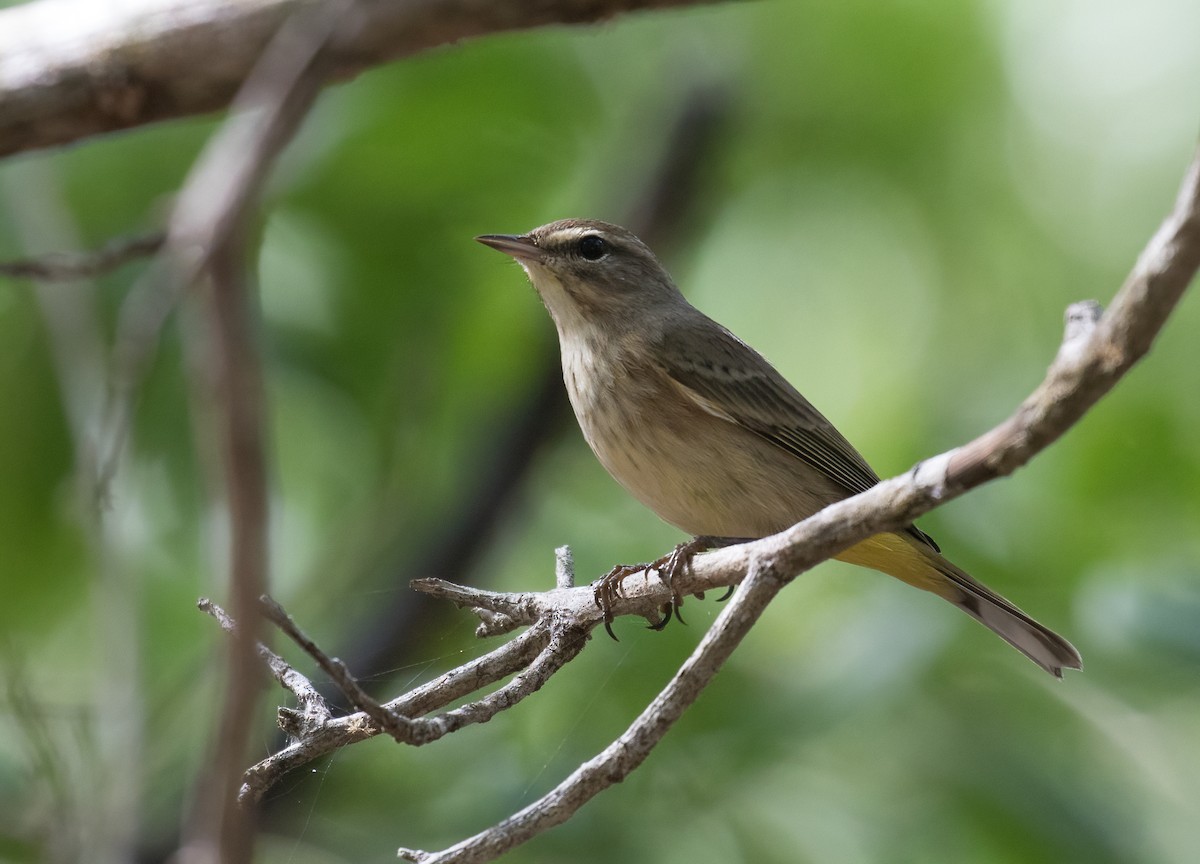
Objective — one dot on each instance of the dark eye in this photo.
(592, 247)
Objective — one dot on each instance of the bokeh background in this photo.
(893, 200)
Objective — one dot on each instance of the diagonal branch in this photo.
(298, 685)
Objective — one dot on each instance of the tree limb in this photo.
(67, 72)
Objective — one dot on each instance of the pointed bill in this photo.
(519, 246)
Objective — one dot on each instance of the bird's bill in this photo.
(519, 246)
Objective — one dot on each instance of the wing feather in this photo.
(731, 380)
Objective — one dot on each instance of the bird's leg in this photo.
(607, 590)
(674, 563)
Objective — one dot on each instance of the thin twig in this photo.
(337, 733)
(566, 641)
(298, 685)
(66, 266)
(390, 722)
(564, 567)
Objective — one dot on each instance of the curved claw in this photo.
(728, 593)
(662, 623)
(608, 588)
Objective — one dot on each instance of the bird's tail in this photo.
(913, 562)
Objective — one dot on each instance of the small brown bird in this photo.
(704, 431)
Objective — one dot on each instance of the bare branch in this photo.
(387, 721)
(67, 73)
(564, 567)
(626, 753)
(566, 641)
(66, 266)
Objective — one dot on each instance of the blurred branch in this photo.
(1095, 353)
(226, 177)
(67, 266)
(66, 74)
(206, 237)
(220, 832)
(107, 826)
(671, 205)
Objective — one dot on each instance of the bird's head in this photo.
(589, 272)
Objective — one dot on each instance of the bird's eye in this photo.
(592, 247)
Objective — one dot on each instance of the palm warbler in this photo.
(704, 431)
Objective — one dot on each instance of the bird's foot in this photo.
(607, 590)
(675, 563)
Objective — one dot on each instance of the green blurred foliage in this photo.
(904, 200)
